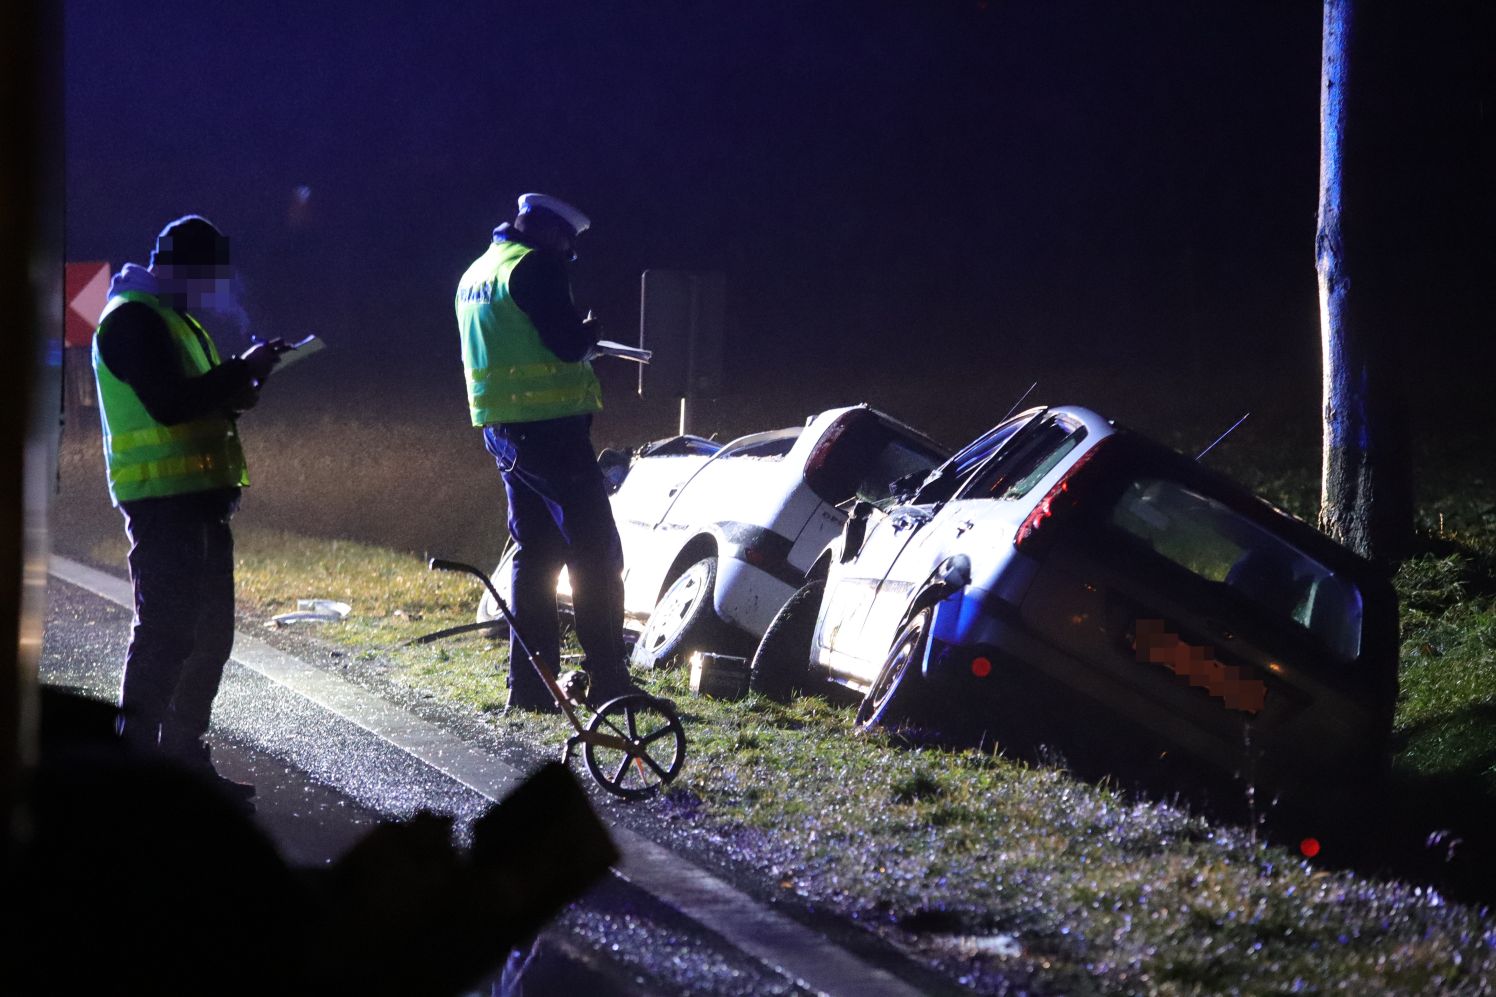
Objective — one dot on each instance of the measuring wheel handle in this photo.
(635, 745)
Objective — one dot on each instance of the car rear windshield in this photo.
(1201, 535)
(861, 456)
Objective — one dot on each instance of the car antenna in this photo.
(1218, 439)
(1019, 402)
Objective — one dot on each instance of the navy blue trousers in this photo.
(182, 571)
(559, 516)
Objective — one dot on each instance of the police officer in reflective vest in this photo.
(168, 404)
(533, 392)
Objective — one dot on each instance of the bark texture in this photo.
(1366, 499)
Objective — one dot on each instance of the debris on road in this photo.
(312, 611)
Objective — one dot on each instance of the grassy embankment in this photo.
(1089, 889)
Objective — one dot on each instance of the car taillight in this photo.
(764, 556)
(1061, 500)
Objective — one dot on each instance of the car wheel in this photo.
(683, 620)
(895, 699)
(781, 665)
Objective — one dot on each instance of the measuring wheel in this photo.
(634, 746)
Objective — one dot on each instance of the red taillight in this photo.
(1060, 501)
(758, 557)
(981, 667)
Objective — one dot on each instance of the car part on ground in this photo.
(719, 676)
(313, 611)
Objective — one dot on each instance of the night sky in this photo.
(933, 184)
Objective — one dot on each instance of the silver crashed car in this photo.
(1062, 578)
(717, 536)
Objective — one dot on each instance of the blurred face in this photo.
(548, 233)
(198, 287)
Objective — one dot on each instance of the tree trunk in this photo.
(1366, 499)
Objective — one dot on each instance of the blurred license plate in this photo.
(1155, 644)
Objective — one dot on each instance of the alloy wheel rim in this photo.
(672, 613)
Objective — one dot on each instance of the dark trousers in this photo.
(559, 516)
(182, 570)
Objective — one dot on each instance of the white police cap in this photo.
(570, 215)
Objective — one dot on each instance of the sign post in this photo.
(680, 322)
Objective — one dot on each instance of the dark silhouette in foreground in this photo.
(139, 876)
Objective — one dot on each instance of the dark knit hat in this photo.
(191, 240)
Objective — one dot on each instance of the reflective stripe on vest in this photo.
(147, 459)
(511, 375)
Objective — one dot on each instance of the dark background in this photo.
(927, 205)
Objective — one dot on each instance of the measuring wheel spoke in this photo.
(604, 721)
(664, 731)
(656, 756)
(623, 768)
(648, 759)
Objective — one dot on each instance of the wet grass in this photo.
(1447, 712)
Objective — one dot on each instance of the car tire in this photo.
(896, 698)
(683, 620)
(781, 665)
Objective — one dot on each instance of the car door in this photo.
(842, 643)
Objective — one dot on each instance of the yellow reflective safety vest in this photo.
(148, 459)
(511, 375)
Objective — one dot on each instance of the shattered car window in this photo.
(939, 484)
(861, 457)
(899, 459)
(767, 447)
(1204, 537)
(1013, 475)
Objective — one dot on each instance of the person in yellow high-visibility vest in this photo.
(532, 391)
(169, 404)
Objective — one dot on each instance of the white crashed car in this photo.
(717, 537)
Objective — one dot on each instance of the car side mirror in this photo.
(854, 530)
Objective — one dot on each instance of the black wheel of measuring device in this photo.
(656, 746)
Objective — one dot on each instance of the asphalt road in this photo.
(328, 766)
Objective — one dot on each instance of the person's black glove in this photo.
(261, 358)
(593, 327)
